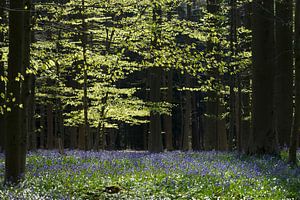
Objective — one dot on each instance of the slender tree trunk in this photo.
(196, 143)
(2, 112)
(61, 128)
(238, 114)
(73, 137)
(50, 128)
(103, 137)
(221, 126)
(284, 70)
(210, 122)
(2, 83)
(81, 138)
(186, 144)
(263, 137)
(26, 86)
(211, 137)
(168, 122)
(232, 96)
(296, 127)
(88, 136)
(246, 122)
(155, 139)
(181, 122)
(112, 139)
(14, 134)
(43, 126)
(31, 114)
(97, 138)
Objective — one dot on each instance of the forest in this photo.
(149, 99)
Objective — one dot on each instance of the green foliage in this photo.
(118, 36)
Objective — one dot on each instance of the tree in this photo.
(26, 85)
(284, 70)
(88, 136)
(263, 137)
(187, 132)
(155, 140)
(168, 121)
(13, 149)
(2, 76)
(296, 127)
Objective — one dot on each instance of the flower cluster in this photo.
(169, 175)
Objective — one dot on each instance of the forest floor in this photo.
(141, 175)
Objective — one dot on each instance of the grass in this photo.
(141, 175)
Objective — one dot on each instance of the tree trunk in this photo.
(81, 138)
(186, 143)
(31, 114)
(284, 71)
(59, 125)
(88, 136)
(2, 102)
(196, 140)
(50, 128)
(211, 137)
(210, 122)
(73, 137)
(263, 137)
(245, 123)
(14, 134)
(43, 126)
(97, 138)
(296, 127)
(2, 83)
(155, 140)
(26, 86)
(168, 118)
(232, 96)
(112, 139)
(238, 114)
(221, 126)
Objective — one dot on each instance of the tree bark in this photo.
(186, 143)
(168, 122)
(196, 140)
(221, 127)
(14, 143)
(232, 97)
(246, 122)
(263, 137)
(31, 114)
(43, 126)
(238, 115)
(155, 140)
(73, 137)
(26, 86)
(2, 83)
(50, 128)
(284, 70)
(210, 122)
(296, 127)
(81, 138)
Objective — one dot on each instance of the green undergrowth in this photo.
(141, 175)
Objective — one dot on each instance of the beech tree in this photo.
(294, 140)
(15, 135)
(283, 90)
(2, 75)
(263, 137)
